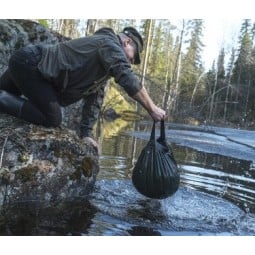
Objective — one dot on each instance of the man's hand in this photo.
(157, 113)
(90, 141)
(144, 99)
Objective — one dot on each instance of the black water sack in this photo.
(156, 174)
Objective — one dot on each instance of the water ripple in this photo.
(188, 211)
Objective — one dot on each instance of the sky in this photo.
(219, 33)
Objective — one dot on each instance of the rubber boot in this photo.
(11, 104)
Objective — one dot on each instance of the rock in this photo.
(48, 166)
(43, 165)
(15, 34)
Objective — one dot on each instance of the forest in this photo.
(173, 72)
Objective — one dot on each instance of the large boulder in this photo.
(41, 168)
(43, 165)
(36, 163)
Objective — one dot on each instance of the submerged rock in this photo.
(43, 165)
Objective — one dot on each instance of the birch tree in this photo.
(172, 88)
(148, 30)
(191, 68)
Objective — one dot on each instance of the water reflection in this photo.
(26, 219)
(212, 173)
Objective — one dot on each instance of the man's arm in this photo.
(90, 112)
(144, 99)
(113, 59)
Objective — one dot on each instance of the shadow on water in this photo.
(216, 196)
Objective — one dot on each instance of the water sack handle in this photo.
(162, 137)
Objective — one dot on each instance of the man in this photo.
(53, 76)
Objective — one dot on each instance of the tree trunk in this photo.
(227, 101)
(167, 78)
(170, 101)
(213, 97)
(147, 51)
(226, 98)
(247, 100)
(68, 28)
(195, 89)
(237, 90)
(91, 27)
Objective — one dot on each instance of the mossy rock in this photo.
(40, 164)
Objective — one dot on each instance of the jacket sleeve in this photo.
(116, 63)
(90, 112)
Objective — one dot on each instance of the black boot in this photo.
(11, 104)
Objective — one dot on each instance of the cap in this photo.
(137, 38)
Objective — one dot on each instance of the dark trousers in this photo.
(23, 78)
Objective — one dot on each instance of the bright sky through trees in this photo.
(219, 33)
(221, 26)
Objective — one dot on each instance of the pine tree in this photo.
(192, 67)
(241, 77)
(148, 29)
(43, 22)
(173, 82)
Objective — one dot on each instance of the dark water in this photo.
(216, 195)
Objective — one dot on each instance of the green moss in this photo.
(87, 166)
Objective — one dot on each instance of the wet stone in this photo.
(43, 165)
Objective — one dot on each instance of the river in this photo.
(216, 195)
